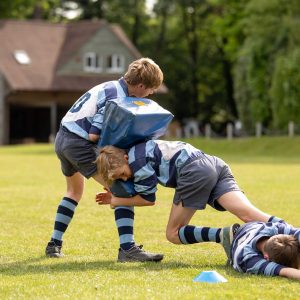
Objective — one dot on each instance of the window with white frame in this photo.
(115, 63)
(92, 62)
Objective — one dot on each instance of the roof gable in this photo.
(104, 42)
(77, 34)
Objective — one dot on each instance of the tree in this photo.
(29, 9)
(225, 23)
(130, 15)
(269, 26)
(16, 9)
(285, 89)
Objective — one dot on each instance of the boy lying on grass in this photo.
(198, 179)
(271, 249)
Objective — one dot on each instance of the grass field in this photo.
(31, 186)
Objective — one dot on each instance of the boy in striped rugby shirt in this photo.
(198, 179)
(76, 146)
(270, 249)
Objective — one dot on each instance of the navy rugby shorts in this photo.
(203, 180)
(75, 153)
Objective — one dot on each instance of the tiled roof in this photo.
(49, 45)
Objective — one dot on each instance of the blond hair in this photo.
(145, 71)
(284, 250)
(110, 158)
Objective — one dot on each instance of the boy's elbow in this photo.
(93, 137)
(147, 202)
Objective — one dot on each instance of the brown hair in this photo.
(284, 249)
(110, 158)
(145, 71)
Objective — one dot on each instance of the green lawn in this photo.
(31, 186)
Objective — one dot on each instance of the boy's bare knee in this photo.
(169, 236)
(172, 236)
(74, 195)
(246, 218)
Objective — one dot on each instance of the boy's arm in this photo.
(104, 198)
(97, 122)
(136, 200)
(290, 273)
(94, 137)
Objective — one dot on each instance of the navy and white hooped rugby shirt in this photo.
(86, 115)
(158, 161)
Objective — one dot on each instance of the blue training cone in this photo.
(210, 277)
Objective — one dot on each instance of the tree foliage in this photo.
(16, 9)
(269, 27)
(29, 9)
(285, 89)
(223, 60)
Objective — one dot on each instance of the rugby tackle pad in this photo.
(128, 121)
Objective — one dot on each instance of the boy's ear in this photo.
(266, 256)
(126, 157)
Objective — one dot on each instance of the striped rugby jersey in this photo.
(157, 161)
(246, 257)
(86, 115)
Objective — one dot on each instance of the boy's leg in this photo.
(179, 232)
(237, 203)
(129, 251)
(179, 217)
(64, 214)
(124, 217)
(227, 236)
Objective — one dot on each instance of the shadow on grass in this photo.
(40, 265)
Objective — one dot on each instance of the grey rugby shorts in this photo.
(203, 180)
(75, 153)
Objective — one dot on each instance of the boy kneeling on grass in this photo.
(198, 179)
(270, 247)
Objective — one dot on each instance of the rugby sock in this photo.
(192, 234)
(124, 217)
(274, 219)
(64, 215)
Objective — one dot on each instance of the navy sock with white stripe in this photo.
(124, 217)
(192, 234)
(274, 219)
(64, 215)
